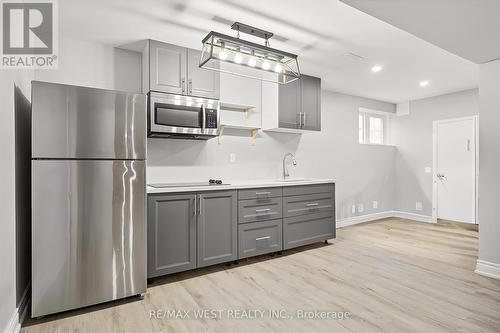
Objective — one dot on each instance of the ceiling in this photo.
(468, 28)
(334, 41)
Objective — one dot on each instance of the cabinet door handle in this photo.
(199, 204)
(190, 84)
(299, 120)
(262, 193)
(312, 204)
(195, 206)
(263, 210)
(262, 238)
(303, 119)
(183, 84)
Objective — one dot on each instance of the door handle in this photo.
(183, 84)
(441, 176)
(303, 119)
(190, 86)
(299, 120)
(203, 117)
(199, 204)
(195, 206)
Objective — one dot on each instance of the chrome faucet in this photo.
(285, 170)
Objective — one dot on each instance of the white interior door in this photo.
(455, 170)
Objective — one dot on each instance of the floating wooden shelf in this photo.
(237, 107)
(253, 130)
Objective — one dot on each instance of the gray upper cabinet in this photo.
(310, 101)
(201, 82)
(171, 234)
(217, 227)
(168, 68)
(299, 104)
(174, 69)
(289, 104)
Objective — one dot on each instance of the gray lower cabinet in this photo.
(171, 234)
(217, 227)
(308, 214)
(189, 230)
(259, 238)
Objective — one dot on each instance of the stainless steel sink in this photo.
(294, 180)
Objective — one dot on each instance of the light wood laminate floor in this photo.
(392, 275)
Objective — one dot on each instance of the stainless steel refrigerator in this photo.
(88, 196)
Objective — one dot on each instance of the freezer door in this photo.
(78, 122)
(88, 233)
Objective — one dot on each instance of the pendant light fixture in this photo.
(234, 55)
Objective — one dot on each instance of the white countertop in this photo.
(241, 184)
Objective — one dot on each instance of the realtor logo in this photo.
(29, 34)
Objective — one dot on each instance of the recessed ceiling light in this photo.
(376, 68)
(424, 83)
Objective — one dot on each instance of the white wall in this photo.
(8, 282)
(85, 63)
(489, 163)
(412, 135)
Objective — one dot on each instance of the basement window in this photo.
(372, 127)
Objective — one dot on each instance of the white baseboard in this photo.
(415, 217)
(363, 218)
(383, 215)
(14, 324)
(488, 269)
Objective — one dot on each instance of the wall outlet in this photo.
(353, 209)
(375, 204)
(361, 208)
(427, 169)
(232, 157)
(418, 205)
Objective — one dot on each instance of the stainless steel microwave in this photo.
(182, 117)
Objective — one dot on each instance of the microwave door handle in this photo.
(203, 117)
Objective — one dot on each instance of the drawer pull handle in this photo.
(313, 204)
(262, 193)
(262, 238)
(264, 210)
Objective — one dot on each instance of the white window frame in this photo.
(367, 114)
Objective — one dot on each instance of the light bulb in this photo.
(222, 55)
(376, 68)
(252, 62)
(265, 65)
(238, 58)
(424, 83)
(278, 68)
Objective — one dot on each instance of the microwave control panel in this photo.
(211, 118)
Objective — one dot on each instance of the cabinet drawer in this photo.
(307, 229)
(259, 238)
(259, 210)
(260, 193)
(308, 204)
(308, 189)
